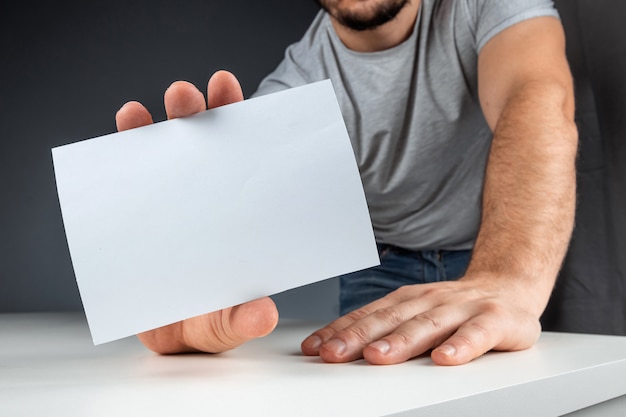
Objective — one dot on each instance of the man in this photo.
(423, 86)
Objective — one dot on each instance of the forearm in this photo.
(529, 193)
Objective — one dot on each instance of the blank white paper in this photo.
(192, 215)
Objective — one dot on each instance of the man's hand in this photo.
(460, 320)
(222, 330)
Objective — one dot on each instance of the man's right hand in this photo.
(225, 329)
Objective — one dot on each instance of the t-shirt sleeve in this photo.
(295, 68)
(490, 17)
(288, 74)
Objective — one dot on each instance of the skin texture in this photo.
(526, 94)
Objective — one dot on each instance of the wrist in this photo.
(528, 291)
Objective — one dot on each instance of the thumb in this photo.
(254, 319)
(214, 332)
(226, 329)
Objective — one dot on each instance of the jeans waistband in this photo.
(420, 254)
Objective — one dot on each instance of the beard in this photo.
(376, 15)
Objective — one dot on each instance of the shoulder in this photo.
(490, 17)
(301, 59)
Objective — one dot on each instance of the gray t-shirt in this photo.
(413, 115)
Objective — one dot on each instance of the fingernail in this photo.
(381, 345)
(336, 346)
(447, 350)
(313, 342)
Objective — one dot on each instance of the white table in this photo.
(48, 366)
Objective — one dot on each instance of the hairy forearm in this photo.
(529, 192)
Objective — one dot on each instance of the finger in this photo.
(416, 336)
(254, 319)
(347, 344)
(499, 331)
(311, 345)
(401, 297)
(132, 114)
(183, 99)
(223, 88)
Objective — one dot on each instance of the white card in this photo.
(192, 215)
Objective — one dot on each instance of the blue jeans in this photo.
(399, 267)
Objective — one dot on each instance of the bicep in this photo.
(528, 54)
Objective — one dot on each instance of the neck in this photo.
(383, 37)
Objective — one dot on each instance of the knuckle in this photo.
(218, 337)
(342, 324)
(325, 333)
(359, 333)
(405, 292)
(479, 329)
(356, 315)
(217, 342)
(431, 320)
(216, 334)
(401, 292)
(403, 339)
(494, 308)
(433, 291)
(389, 316)
(474, 336)
(463, 340)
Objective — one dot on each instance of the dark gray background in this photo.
(66, 69)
